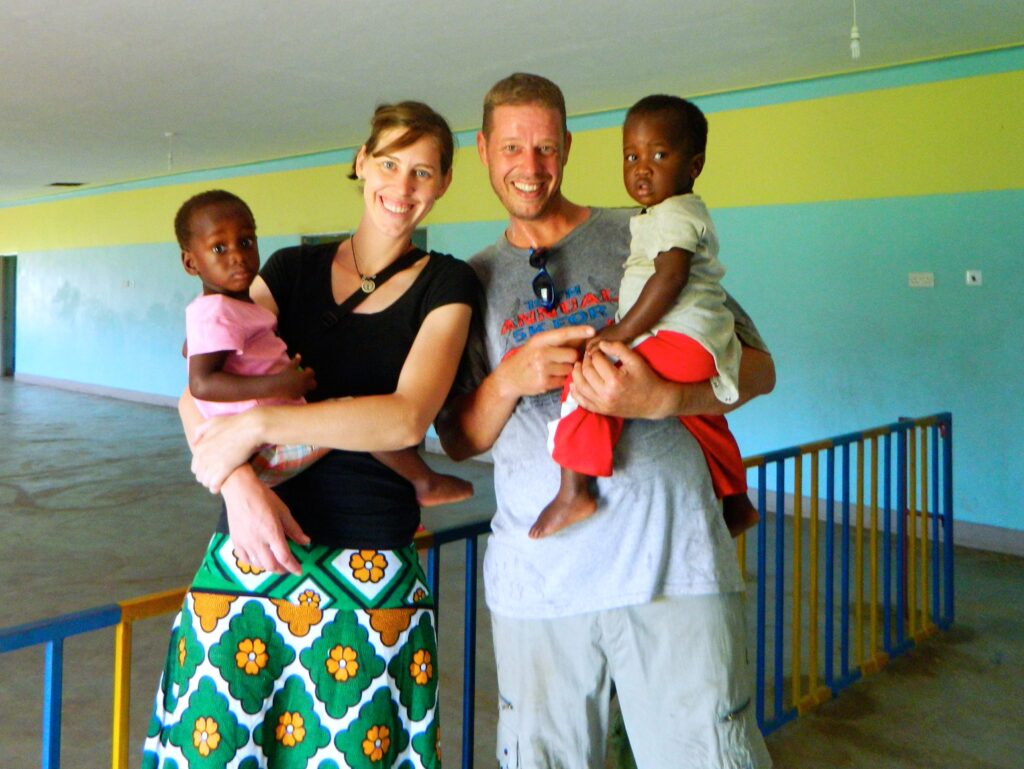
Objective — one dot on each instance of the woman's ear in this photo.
(445, 183)
(360, 161)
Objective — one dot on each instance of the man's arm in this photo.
(470, 424)
(634, 391)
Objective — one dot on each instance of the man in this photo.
(645, 593)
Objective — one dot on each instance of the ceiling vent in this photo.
(66, 184)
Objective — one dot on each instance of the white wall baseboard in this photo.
(90, 389)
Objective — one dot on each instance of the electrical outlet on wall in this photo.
(921, 280)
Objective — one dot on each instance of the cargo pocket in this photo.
(736, 746)
(508, 736)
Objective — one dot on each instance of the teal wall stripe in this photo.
(298, 163)
(985, 63)
(465, 239)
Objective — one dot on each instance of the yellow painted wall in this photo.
(951, 136)
(938, 138)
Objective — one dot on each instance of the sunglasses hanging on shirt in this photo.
(543, 283)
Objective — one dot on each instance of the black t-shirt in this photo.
(349, 499)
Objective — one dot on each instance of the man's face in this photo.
(525, 153)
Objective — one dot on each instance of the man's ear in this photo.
(565, 152)
(189, 263)
(696, 165)
(481, 146)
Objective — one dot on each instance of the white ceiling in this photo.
(88, 88)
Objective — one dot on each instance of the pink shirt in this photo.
(215, 323)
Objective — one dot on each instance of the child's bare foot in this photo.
(739, 513)
(564, 510)
(438, 489)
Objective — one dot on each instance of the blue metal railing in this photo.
(52, 633)
(916, 590)
(899, 618)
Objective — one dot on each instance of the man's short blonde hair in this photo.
(523, 88)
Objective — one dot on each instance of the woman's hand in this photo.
(260, 524)
(221, 444)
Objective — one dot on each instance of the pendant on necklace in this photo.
(368, 286)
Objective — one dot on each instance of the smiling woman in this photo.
(308, 634)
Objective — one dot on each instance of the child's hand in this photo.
(614, 333)
(295, 381)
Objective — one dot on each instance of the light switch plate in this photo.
(921, 280)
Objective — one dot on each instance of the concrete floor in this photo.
(92, 490)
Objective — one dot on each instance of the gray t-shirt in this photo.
(658, 529)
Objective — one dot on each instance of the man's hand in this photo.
(613, 333)
(471, 423)
(633, 390)
(630, 389)
(542, 364)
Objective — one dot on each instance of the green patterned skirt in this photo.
(334, 668)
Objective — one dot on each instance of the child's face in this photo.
(222, 250)
(656, 163)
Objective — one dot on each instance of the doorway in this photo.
(8, 273)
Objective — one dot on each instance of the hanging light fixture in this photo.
(169, 135)
(854, 35)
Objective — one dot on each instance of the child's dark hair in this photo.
(183, 219)
(688, 121)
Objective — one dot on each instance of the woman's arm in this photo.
(369, 423)
(258, 520)
(260, 523)
(259, 292)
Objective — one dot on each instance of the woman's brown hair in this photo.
(418, 120)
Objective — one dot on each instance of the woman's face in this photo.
(400, 186)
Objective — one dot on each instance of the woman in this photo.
(320, 651)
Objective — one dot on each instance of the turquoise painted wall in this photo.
(109, 316)
(818, 237)
(856, 347)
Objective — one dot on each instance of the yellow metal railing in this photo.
(135, 609)
(887, 556)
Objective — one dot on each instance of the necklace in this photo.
(368, 283)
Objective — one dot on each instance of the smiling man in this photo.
(646, 593)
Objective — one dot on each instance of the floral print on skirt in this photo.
(331, 669)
